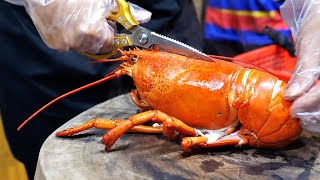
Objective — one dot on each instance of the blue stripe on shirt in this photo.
(213, 32)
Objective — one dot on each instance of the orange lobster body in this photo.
(194, 91)
(210, 95)
(210, 103)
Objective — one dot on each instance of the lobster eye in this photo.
(134, 58)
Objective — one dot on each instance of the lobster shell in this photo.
(212, 103)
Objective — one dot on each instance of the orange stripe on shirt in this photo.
(244, 20)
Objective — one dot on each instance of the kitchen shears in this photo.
(143, 37)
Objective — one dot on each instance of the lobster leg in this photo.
(170, 125)
(216, 138)
(106, 124)
(236, 139)
(138, 101)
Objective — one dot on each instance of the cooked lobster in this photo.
(210, 103)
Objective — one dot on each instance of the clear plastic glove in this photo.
(78, 24)
(303, 18)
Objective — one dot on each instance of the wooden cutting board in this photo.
(141, 156)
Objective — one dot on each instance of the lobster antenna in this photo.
(244, 63)
(116, 73)
(122, 58)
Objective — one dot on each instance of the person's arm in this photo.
(303, 19)
(77, 24)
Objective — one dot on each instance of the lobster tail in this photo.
(271, 127)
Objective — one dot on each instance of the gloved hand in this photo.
(78, 24)
(303, 18)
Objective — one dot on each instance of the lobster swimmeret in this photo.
(211, 104)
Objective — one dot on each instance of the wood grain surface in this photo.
(141, 156)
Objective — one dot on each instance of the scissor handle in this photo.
(123, 16)
(119, 42)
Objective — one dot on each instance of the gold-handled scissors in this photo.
(143, 37)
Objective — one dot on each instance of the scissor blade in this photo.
(145, 38)
(174, 46)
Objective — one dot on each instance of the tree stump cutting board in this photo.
(143, 156)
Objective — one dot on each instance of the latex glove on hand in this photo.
(78, 24)
(303, 18)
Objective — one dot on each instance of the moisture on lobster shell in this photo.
(210, 103)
